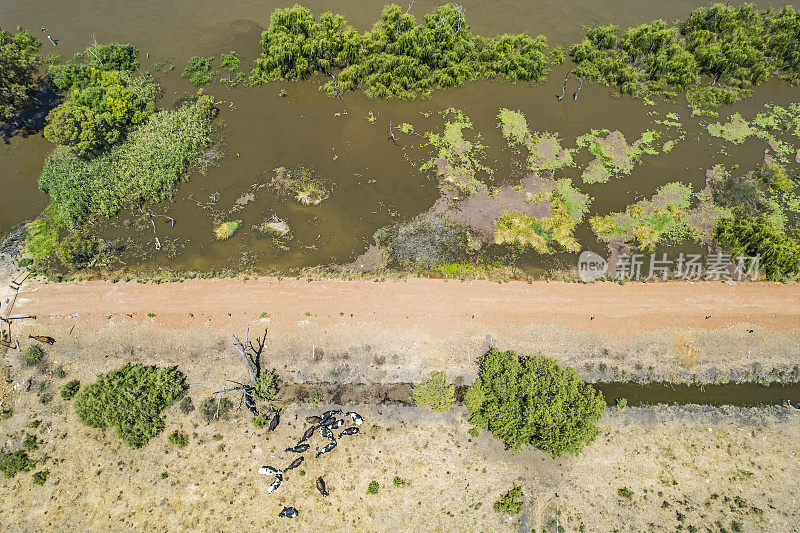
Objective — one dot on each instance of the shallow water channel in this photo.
(375, 182)
(736, 394)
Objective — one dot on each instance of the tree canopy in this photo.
(19, 71)
(534, 401)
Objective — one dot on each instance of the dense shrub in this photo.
(19, 71)
(750, 236)
(266, 385)
(70, 389)
(13, 463)
(511, 502)
(435, 393)
(533, 401)
(34, 355)
(398, 58)
(131, 400)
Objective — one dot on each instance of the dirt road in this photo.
(436, 307)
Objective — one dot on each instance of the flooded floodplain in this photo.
(371, 181)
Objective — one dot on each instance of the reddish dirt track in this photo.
(439, 307)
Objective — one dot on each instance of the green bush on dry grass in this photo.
(131, 399)
(435, 393)
(70, 389)
(34, 355)
(40, 477)
(13, 463)
(510, 502)
(208, 409)
(266, 385)
(178, 438)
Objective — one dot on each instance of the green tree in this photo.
(81, 130)
(435, 393)
(19, 71)
(533, 401)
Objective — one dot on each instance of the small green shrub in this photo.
(510, 502)
(13, 463)
(208, 409)
(435, 393)
(266, 385)
(34, 355)
(40, 477)
(178, 438)
(399, 482)
(131, 399)
(260, 421)
(316, 398)
(473, 432)
(625, 492)
(186, 406)
(164, 475)
(622, 403)
(217, 436)
(30, 443)
(373, 487)
(6, 413)
(70, 389)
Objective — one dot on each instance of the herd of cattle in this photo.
(325, 424)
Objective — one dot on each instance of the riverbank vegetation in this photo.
(113, 148)
(398, 58)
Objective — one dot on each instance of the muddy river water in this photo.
(375, 182)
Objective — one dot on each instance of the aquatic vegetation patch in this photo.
(565, 208)
(736, 130)
(226, 230)
(614, 156)
(458, 160)
(301, 184)
(706, 101)
(276, 228)
(666, 218)
(398, 58)
(200, 71)
(544, 149)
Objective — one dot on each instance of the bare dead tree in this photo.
(251, 355)
(391, 134)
